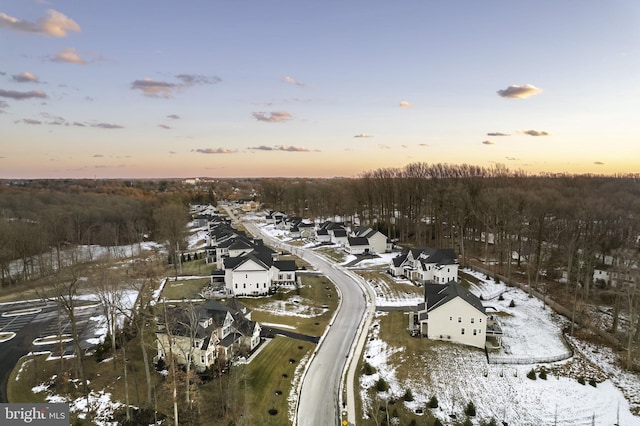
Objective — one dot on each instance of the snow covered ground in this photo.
(456, 374)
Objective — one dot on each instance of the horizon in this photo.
(254, 90)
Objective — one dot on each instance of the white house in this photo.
(357, 245)
(450, 312)
(246, 276)
(378, 242)
(426, 265)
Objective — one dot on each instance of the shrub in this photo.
(437, 422)
(369, 369)
(467, 422)
(161, 365)
(543, 374)
(433, 402)
(491, 422)
(408, 395)
(501, 297)
(395, 413)
(382, 385)
(413, 422)
(581, 380)
(593, 383)
(512, 304)
(470, 410)
(531, 374)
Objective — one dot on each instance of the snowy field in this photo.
(456, 374)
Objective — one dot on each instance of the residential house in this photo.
(357, 245)
(426, 265)
(450, 312)
(378, 242)
(202, 334)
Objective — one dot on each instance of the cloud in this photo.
(164, 126)
(193, 79)
(279, 148)
(533, 132)
(156, 89)
(75, 123)
(512, 158)
(55, 25)
(98, 156)
(423, 144)
(362, 135)
(291, 148)
(487, 142)
(273, 117)
(25, 77)
(498, 134)
(405, 104)
(107, 126)
(381, 146)
(172, 152)
(153, 88)
(293, 81)
(519, 92)
(19, 96)
(3, 105)
(216, 151)
(174, 116)
(70, 56)
(31, 121)
(598, 163)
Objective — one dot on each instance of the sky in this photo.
(129, 89)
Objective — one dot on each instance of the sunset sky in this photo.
(316, 88)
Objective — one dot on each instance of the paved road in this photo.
(321, 401)
(31, 326)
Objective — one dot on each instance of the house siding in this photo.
(443, 323)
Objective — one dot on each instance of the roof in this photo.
(358, 241)
(339, 233)
(234, 262)
(398, 260)
(436, 295)
(285, 265)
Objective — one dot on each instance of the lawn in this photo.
(307, 310)
(332, 253)
(184, 289)
(269, 377)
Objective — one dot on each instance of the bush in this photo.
(543, 374)
(437, 422)
(491, 422)
(593, 383)
(408, 395)
(369, 369)
(512, 304)
(433, 402)
(161, 365)
(382, 385)
(531, 374)
(467, 422)
(581, 380)
(501, 297)
(470, 410)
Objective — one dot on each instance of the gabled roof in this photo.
(436, 295)
(358, 241)
(235, 262)
(340, 233)
(285, 265)
(399, 260)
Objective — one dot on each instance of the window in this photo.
(244, 285)
(462, 331)
(479, 319)
(236, 285)
(450, 318)
(459, 319)
(471, 320)
(246, 276)
(474, 331)
(202, 359)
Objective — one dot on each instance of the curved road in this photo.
(322, 401)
